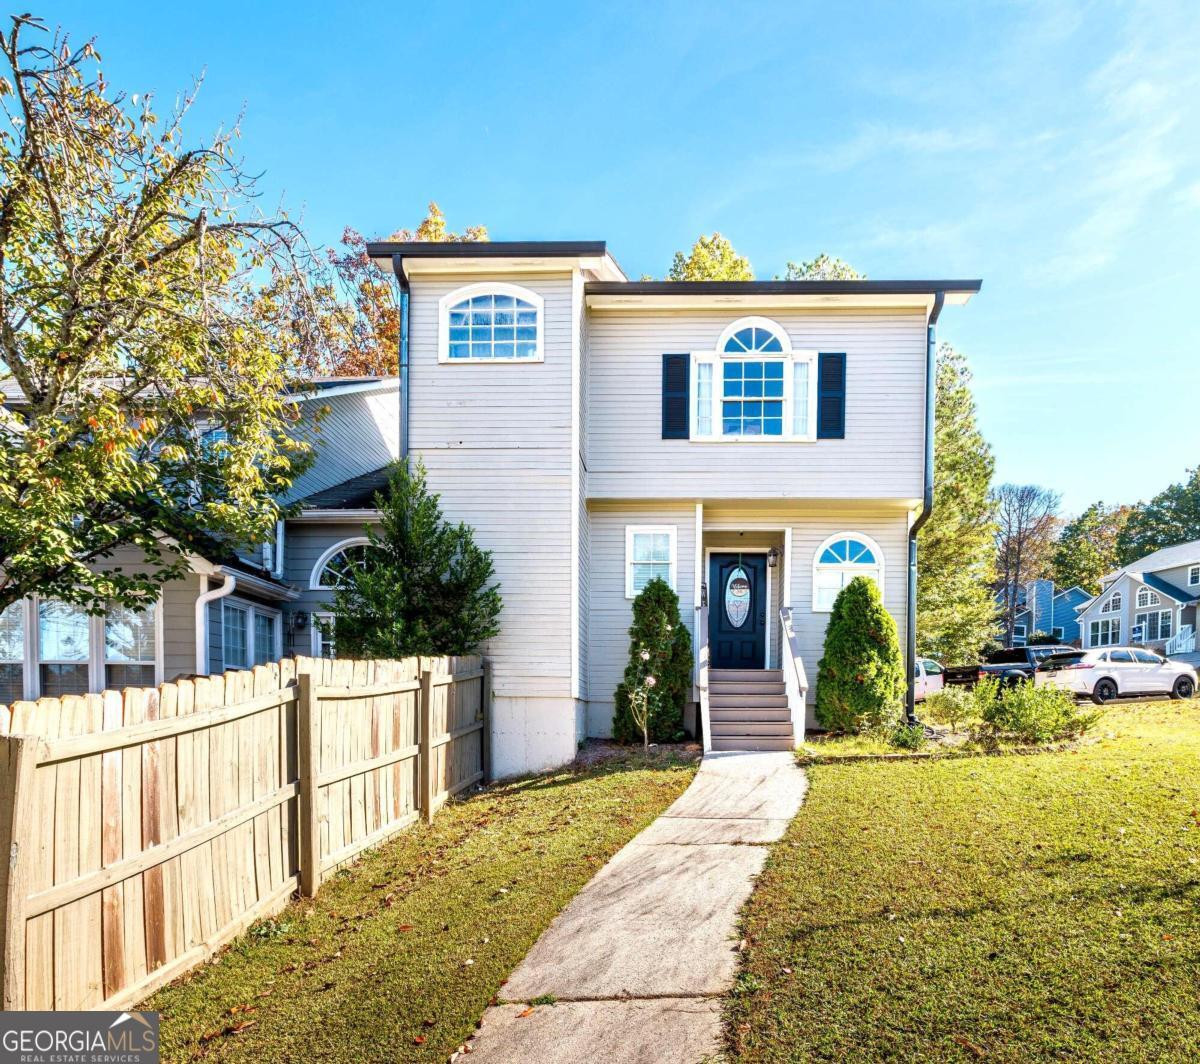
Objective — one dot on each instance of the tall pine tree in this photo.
(956, 613)
(422, 587)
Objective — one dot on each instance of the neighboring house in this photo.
(230, 611)
(1151, 602)
(755, 444)
(1042, 607)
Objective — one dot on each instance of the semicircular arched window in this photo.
(491, 323)
(754, 339)
(330, 570)
(839, 560)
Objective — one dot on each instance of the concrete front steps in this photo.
(748, 710)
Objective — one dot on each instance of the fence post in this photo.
(18, 759)
(485, 708)
(308, 720)
(426, 754)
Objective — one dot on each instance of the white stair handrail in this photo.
(1182, 642)
(795, 681)
(702, 677)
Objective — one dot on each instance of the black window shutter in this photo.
(676, 376)
(831, 396)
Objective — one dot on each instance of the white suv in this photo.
(1117, 672)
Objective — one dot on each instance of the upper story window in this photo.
(839, 560)
(1194, 576)
(490, 322)
(331, 566)
(1113, 605)
(1146, 597)
(754, 386)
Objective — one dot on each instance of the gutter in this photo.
(402, 280)
(202, 602)
(910, 633)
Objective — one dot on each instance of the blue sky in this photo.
(1051, 148)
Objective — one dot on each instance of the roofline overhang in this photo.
(507, 256)
(380, 385)
(256, 584)
(718, 294)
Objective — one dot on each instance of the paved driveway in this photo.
(639, 960)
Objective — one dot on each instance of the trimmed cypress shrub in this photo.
(658, 630)
(860, 678)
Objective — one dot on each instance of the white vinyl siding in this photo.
(882, 455)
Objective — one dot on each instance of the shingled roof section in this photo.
(357, 493)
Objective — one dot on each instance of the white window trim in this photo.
(856, 569)
(1019, 631)
(251, 609)
(317, 618)
(315, 576)
(1112, 604)
(1058, 631)
(483, 288)
(630, 532)
(1194, 576)
(97, 657)
(718, 356)
(1098, 621)
(1142, 620)
(1151, 596)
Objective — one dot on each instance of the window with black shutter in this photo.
(676, 373)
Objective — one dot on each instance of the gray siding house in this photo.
(756, 444)
(1151, 602)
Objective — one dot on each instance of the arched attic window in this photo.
(490, 322)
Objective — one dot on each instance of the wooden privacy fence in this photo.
(148, 827)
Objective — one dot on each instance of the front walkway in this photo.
(637, 963)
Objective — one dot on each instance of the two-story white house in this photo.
(757, 444)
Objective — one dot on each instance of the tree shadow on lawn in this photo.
(399, 955)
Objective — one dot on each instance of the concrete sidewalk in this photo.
(637, 963)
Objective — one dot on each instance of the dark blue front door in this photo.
(737, 611)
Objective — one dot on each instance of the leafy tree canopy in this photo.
(712, 258)
(1087, 547)
(143, 325)
(822, 268)
(956, 612)
(1172, 516)
(423, 587)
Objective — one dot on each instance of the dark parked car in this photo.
(1009, 666)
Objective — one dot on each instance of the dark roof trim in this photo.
(777, 288)
(1170, 590)
(357, 493)
(486, 249)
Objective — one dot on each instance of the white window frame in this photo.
(671, 532)
(718, 357)
(251, 609)
(484, 288)
(317, 636)
(1194, 576)
(1020, 631)
(856, 569)
(1058, 631)
(1113, 603)
(1111, 639)
(314, 577)
(1147, 598)
(97, 660)
(1143, 620)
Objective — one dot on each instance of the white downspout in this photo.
(202, 619)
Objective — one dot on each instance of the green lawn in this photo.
(1043, 907)
(398, 957)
